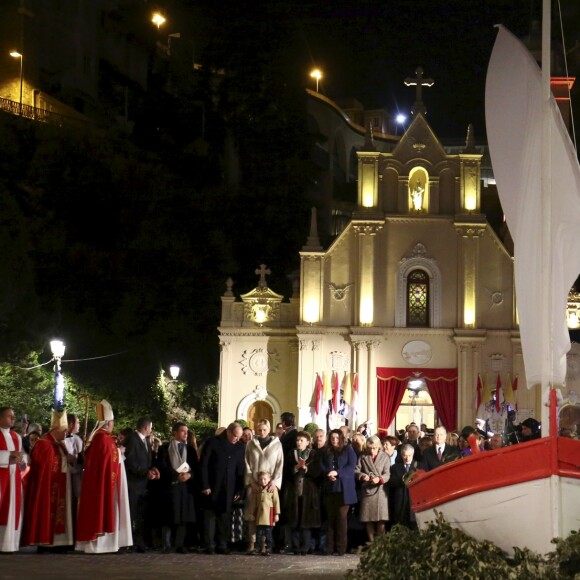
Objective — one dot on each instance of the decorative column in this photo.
(309, 363)
(372, 399)
(366, 232)
(225, 379)
(468, 344)
(360, 356)
(467, 272)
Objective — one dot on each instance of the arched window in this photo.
(418, 298)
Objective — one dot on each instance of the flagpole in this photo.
(546, 330)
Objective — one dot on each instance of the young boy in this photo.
(302, 495)
(264, 509)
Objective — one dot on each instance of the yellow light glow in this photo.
(368, 185)
(573, 321)
(316, 74)
(366, 312)
(469, 317)
(311, 311)
(158, 19)
(259, 315)
(470, 203)
(368, 199)
(15, 54)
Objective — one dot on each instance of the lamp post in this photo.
(57, 347)
(158, 19)
(400, 119)
(316, 74)
(16, 54)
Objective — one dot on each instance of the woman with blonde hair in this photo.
(372, 472)
(263, 453)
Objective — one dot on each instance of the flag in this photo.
(514, 110)
(354, 403)
(508, 393)
(498, 393)
(479, 393)
(318, 392)
(335, 392)
(327, 388)
(347, 389)
(486, 391)
(515, 390)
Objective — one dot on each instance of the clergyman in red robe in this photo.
(48, 501)
(104, 521)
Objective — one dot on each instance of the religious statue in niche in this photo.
(417, 196)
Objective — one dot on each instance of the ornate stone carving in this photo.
(260, 361)
(495, 297)
(225, 344)
(339, 293)
(417, 352)
(316, 344)
(338, 360)
(373, 344)
(368, 229)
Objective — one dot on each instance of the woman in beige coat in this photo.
(372, 471)
(263, 453)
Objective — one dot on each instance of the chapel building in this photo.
(409, 308)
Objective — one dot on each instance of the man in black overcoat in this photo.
(139, 469)
(222, 481)
(399, 497)
(438, 453)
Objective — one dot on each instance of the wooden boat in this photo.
(523, 495)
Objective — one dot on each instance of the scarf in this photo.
(177, 458)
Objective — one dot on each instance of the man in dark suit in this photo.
(138, 465)
(222, 469)
(439, 452)
(399, 497)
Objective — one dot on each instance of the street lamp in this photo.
(316, 74)
(174, 371)
(16, 54)
(400, 119)
(57, 348)
(158, 19)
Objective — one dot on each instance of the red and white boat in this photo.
(527, 494)
(523, 495)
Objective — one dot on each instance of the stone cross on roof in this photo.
(419, 82)
(263, 271)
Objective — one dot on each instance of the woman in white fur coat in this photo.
(263, 453)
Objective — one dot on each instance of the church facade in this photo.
(417, 290)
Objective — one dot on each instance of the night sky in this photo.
(367, 49)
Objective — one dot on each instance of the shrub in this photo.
(242, 422)
(441, 551)
(310, 428)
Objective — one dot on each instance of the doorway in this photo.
(260, 410)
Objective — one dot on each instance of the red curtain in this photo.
(442, 385)
(391, 393)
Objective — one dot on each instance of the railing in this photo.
(40, 115)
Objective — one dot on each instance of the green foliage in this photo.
(242, 422)
(31, 390)
(441, 551)
(205, 399)
(310, 428)
(566, 557)
(203, 430)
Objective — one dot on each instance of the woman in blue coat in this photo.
(338, 462)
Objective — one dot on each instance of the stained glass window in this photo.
(418, 298)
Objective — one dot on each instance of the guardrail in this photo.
(40, 115)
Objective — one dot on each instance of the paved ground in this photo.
(28, 564)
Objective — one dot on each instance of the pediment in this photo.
(419, 141)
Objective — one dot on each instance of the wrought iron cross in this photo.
(419, 82)
(263, 271)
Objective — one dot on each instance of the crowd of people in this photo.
(275, 490)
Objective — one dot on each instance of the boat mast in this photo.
(546, 330)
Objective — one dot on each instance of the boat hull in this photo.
(522, 496)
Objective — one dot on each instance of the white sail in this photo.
(513, 108)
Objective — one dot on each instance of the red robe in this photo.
(96, 513)
(46, 509)
(6, 482)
